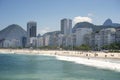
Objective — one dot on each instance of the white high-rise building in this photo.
(33, 41)
(46, 40)
(97, 40)
(66, 26)
(66, 30)
(80, 35)
(118, 35)
(107, 36)
(60, 39)
(39, 41)
(104, 37)
(11, 43)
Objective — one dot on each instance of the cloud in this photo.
(81, 19)
(44, 30)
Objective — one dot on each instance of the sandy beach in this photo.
(102, 60)
(90, 54)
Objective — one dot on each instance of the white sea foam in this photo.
(92, 62)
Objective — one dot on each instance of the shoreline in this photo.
(79, 57)
(85, 54)
(100, 64)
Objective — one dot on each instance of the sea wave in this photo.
(102, 64)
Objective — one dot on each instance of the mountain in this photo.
(83, 25)
(116, 24)
(90, 25)
(13, 31)
(109, 22)
(51, 33)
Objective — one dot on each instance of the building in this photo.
(11, 36)
(88, 39)
(24, 41)
(39, 41)
(31, 31)
(66, 30)
(54, 39)
(60, 40)
(46, 40)
(117, 37)
(98, 41)
(80, 35)
(66, 26)
(104, 37)
(68, 40)
(73, 39)
(107, 36)
(14, 43)
(51, 38)
(6, 44)
(33, 42)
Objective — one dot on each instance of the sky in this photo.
(48, 13)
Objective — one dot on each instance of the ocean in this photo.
(38, 67)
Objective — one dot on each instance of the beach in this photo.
(102, 60)
(86, 54)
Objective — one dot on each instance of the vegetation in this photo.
(113, 47)
(48, 47)
(82, 47)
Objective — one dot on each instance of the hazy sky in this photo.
(48, 13)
